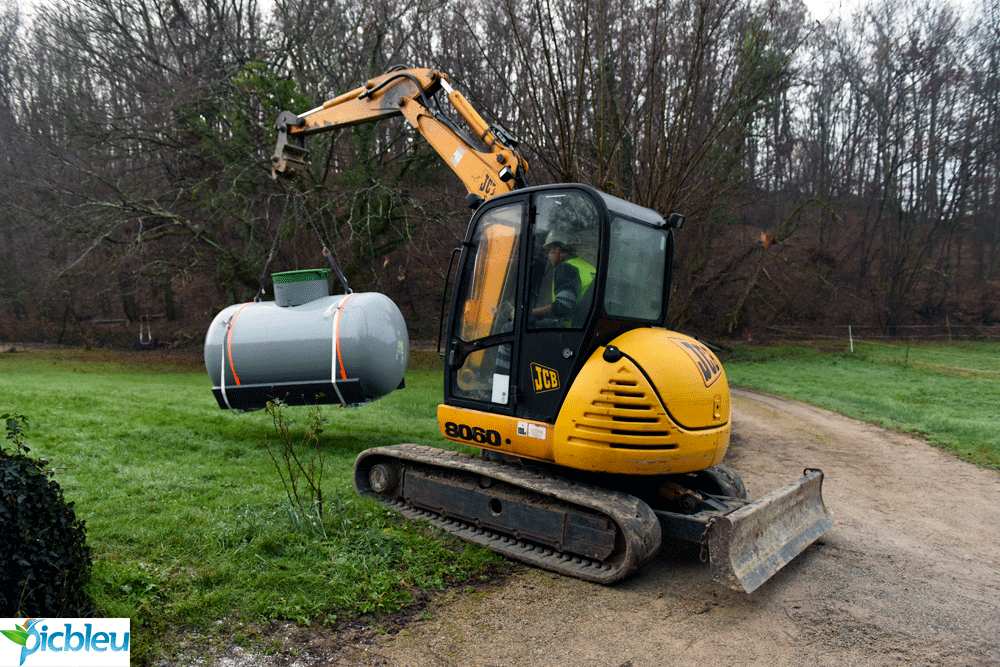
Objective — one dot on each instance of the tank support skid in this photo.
(527, 514)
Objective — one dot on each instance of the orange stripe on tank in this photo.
(340, 359)
(229, 342)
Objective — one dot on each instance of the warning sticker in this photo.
(527, 430)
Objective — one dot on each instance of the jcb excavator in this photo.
(600, 430)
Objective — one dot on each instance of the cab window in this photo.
(487, 297)
(564, 260)
(636, 270)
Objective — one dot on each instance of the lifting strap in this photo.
(301, 214)
(270, 255)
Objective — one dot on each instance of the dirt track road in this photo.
(909, 575)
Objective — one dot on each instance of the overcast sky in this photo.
(824, 9)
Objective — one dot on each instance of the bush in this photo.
(43, 546)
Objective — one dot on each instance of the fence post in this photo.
(850, 337)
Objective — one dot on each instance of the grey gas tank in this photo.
(347, 349)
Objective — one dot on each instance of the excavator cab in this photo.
(556, 350)
(546, 276)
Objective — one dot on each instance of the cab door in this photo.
(562, 296)
(523, 314)
(483, 340)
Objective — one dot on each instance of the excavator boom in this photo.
(488, 164)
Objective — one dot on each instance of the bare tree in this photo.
(984, 134)
(12, 252)
(855, 160)
(147, 120)
(915, 159)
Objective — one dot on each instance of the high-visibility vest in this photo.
(587, 273)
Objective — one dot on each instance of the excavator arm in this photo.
(488, 165)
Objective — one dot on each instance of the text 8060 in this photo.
(474, 434)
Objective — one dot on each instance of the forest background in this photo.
(832, 173)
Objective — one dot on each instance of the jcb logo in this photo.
(545, 379)
(711, 369)
(488, 187)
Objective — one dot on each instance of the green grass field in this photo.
(947, 393)
(189, 522)
(186, 515)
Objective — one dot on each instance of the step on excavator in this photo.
(600, 431)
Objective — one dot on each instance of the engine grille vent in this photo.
(626, 414)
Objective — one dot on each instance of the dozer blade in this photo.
(749, 545)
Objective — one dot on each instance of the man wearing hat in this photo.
(572, 275)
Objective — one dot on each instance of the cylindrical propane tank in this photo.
(347, 349)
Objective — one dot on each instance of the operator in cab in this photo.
(570, 278)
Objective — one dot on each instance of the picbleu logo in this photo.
(69, 641)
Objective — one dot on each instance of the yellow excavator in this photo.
(600, 431)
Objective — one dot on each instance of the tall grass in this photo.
(947, 393)
(185, 510)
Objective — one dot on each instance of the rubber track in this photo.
(636, 523)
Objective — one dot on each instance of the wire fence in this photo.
(900, 335)
(908, 345)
